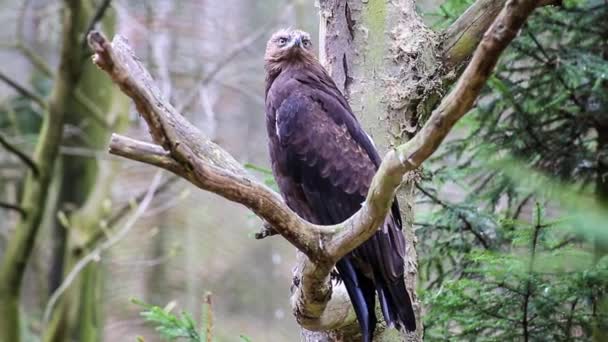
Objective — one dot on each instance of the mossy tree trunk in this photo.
(81, 97)
(85, 187)
(36, 187)
(361, 44)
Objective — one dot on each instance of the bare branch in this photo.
(14, 207)
(462, 37)
(121, 212)
(208, 317)
(92, 109)
(99, 13)
(20, 154)
(95, 255)
(22, 90)
(33, 57)
(209, 167)
(206, 78)
(36, 60)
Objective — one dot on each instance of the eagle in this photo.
(323, 163)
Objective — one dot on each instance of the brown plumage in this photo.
(324, 162)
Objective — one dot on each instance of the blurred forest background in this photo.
(512, 213)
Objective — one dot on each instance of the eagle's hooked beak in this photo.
(295, 42)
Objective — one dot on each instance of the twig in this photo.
(35, 59)
(120, 213)
(14, 207)
(96, 253)
(521, 206)
(91, 108)
(99, 13)
(207, 77)
(528, 293)
(493, 312)
(568, 326)
(20, 154)
(23, 91)
(209, 318)
(468, 226)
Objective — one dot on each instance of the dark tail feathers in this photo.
(362, 296)
(396, 305)
(394, 300)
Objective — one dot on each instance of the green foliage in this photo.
(529, 280)
(171, 326)
(514, 244)
(180, 326)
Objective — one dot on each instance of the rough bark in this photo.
(380, 53)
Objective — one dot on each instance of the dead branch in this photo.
(23, 91)
(121, 212)
(99, 13)
(206, 165)
(20, 154)
(14, 207)
(208, 77)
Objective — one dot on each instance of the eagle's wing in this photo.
(333, 161)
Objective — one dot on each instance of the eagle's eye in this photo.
(282, 41)
(306, 42)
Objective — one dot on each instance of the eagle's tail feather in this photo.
(400, 310)
(362, 296)
(386, 305)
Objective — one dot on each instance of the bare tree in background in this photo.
(79, 114)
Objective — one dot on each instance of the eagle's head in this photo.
(289, 46)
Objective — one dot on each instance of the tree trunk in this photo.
(86, 184)
(380, 54)
(36, 188)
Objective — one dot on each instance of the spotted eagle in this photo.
(324, 163)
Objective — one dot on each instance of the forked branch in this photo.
(187, 153)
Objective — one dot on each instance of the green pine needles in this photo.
(513, 243)
(181, 327)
